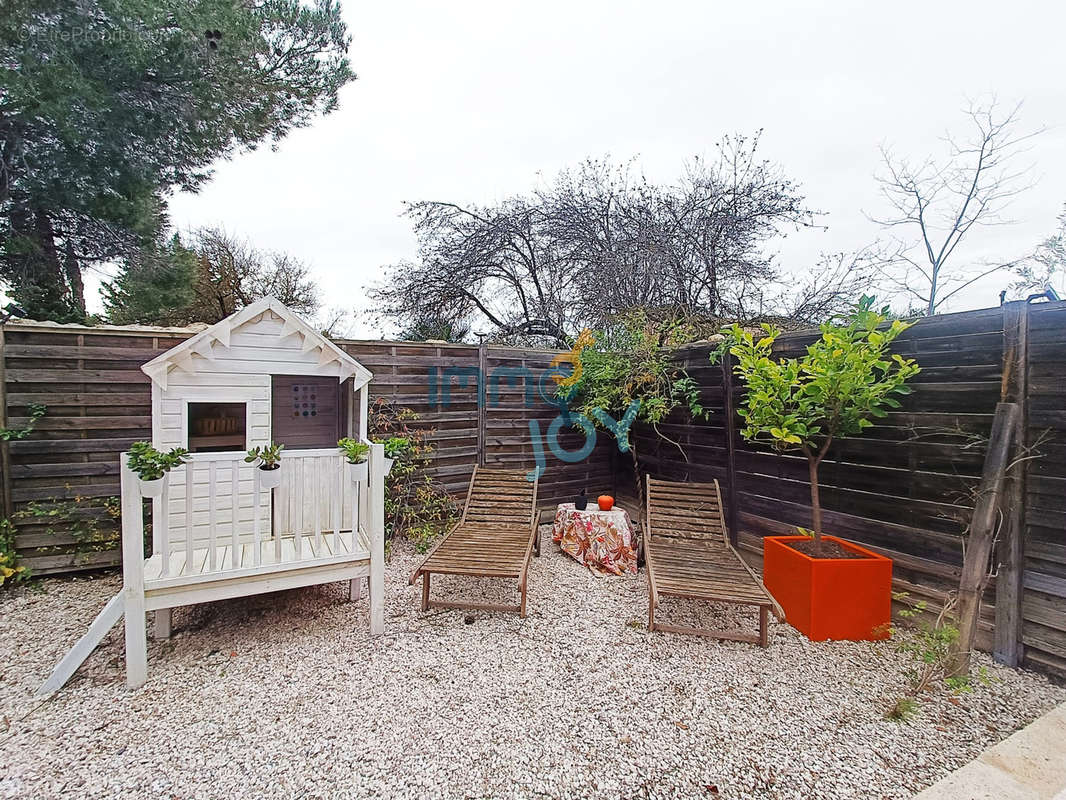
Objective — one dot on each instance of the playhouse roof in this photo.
(316, 347)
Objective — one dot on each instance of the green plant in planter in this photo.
(846, 377)
(268, 456)
(395, 446)
(150, 464)
(355, 451)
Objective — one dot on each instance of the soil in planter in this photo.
(827, 549)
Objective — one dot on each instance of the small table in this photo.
(604, 541)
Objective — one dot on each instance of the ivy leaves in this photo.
(36, 411)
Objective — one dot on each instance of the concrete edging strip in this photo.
(1028, 765)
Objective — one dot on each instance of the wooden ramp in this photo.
(105, 621)
(494, 538)
(689, 555)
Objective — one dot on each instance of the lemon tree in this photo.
(846, 379)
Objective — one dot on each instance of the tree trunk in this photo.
(641, 520)
(31, 266)
(637, 480)
(74, 281)
(816, 503)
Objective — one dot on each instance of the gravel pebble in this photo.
(287, 695)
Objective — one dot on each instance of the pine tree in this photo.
(156, 288)
(106, 105)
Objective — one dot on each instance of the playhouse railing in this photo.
(217, 500)
(225, 474)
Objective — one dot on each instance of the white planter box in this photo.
(270, 478)
(152, 488)
(358, 473)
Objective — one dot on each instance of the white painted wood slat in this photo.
(257, 554)
(234, 488)
(189, 481)
(212, 513)
(164, 527)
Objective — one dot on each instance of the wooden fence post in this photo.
(1011, 551)
(981, 536)
(5, 447)
(732, 505)
(482, 398)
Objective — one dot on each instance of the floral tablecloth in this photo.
(604, 541)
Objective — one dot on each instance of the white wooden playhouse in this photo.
(262, 375)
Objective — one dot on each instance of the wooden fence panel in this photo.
(523, 428)
(419, 377)
(64, 476)
(1044, 549)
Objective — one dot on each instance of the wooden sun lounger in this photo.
(494, 538)
(689, 555)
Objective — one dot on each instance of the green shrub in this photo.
(10, 570)
(416, 506)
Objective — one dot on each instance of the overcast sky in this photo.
(471, 102)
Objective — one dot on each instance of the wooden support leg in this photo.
(136, 640)
(763, 633)
(164, 619)
(651, 611)
(355, 589)
(536, 542)
(376, 517)
(425, 591)
(133, 579)
(522, 607)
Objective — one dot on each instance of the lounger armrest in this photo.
(534, 530)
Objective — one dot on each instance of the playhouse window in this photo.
(216, 426)
(307, 412)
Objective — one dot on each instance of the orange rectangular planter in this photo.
(830, 598)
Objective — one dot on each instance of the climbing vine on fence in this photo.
(36, 411)
(416, 506)
(92, 522)
(628, 373)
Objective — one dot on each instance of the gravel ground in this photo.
(286, 695)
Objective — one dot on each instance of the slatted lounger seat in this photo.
(689, 555)
(494, 538)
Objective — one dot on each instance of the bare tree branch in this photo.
(942, 202)
(601, 239)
